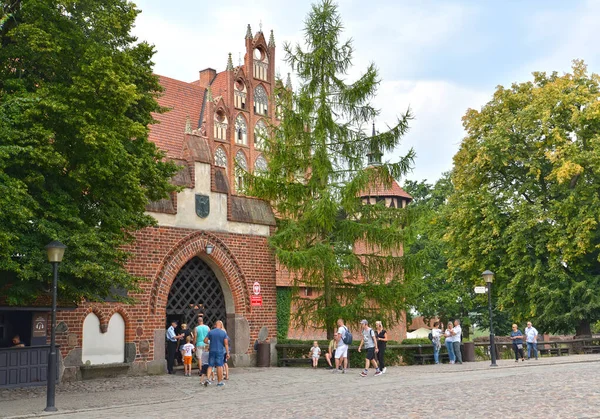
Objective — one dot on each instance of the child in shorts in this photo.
(187, 350)
(204, 369)
(315, 353)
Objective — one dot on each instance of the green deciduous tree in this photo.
(316, 173)
(76, 96)
(527, 198)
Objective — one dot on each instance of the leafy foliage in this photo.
(316, 175)
(76, 96)
(284, 306)
(526, 200)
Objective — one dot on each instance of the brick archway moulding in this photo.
(194, 245)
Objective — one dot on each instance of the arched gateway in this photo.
(196, 285)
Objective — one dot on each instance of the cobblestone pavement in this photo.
(560, 387)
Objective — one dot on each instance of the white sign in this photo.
(256, 288)
(480, 290)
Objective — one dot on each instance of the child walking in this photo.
(315, 353)
(204, 369)
(187, 350)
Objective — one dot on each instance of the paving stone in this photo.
(552, 387)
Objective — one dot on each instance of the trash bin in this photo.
(263, 354)
(468, 351)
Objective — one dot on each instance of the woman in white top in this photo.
(436, 334)
(450, 342)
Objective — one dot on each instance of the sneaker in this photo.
(363, 374)
(378, 373)
(221, 384)
(344, 371)
(516, 360)
(329, 367)
(383, 371)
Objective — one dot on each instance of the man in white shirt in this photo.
(457, 333)
(531, 335)
(341, 353)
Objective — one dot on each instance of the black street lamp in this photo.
(55, 251)
(488, 276)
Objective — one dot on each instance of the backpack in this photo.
(430, 336)
(347, 338)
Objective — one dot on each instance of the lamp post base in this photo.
(51, 409)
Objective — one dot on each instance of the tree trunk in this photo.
(583, 329)
(329, 320)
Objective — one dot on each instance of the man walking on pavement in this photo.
(218, 351)
(531, 335)
(457, 333)
(341, 353)
(370, 342)
(172, 346)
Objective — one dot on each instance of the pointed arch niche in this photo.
(103, 348)
(220, 125)
(241, 168)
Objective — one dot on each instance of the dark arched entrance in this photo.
(196, 285)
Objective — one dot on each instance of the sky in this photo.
(438, 58)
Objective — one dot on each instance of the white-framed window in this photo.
(241, 130)
(261, 101)
(239, 94)
(220, 157)
(260, 134)
(260, 165)
(220, 131)
(261, 64)
(241, 168)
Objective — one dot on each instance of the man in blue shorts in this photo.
(218, 352)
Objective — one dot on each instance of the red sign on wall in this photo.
(256, 300)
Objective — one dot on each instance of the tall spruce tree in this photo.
(76, 96)
(326, 237)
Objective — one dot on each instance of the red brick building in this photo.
(210, 246)
(209, 249)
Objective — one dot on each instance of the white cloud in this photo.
(436, 132)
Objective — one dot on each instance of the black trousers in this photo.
(518, 352)
(171, 349)
(380, 355)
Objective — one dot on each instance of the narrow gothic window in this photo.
(261, 101)
(220, 131)
(240, 170)
(220, 157)
(239, 93)
(241, 130)
(260, 133)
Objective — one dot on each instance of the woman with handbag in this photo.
(517, 342)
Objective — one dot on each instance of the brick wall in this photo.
(158, 255)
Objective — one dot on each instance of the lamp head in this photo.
(488, 276)
(209, 249)
(56, 251)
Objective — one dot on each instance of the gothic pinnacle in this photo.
(249, 32)
(272, 40)
(229, 63)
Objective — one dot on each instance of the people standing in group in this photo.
(219, 350)
(369, 340)
(187, 351)
(171, 346)
(330, 355)
(456, 341)
(382, 339)
(517, 342)
(315, 354)
(200, 333)
(449, 342)
(436, 334)
(341, 353)
(531, 335)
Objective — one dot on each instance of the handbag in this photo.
(519, 346)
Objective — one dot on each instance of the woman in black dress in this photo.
(382, 338)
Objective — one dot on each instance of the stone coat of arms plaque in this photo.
(202, 205)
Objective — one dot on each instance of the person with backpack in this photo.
(341, 353)
(370, 341)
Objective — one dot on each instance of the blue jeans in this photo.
(450, 348)
(436, 354)
(530, 346)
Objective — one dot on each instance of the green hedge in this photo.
(284, 307)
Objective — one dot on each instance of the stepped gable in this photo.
(184, 100)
